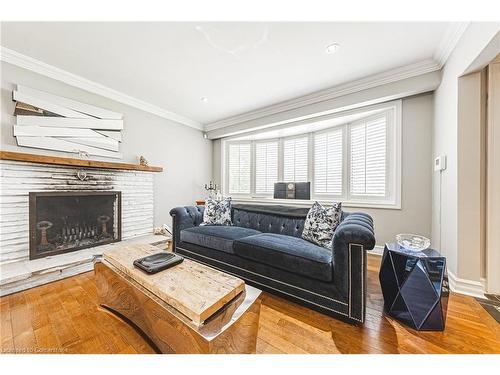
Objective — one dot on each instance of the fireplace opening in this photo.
(61, 222)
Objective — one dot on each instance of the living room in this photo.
(228, 184)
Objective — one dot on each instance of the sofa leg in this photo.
(357, 282)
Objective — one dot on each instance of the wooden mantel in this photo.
(72, 162)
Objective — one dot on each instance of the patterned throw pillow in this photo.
(321, 223)
(217, 212)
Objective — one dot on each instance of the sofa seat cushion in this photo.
(217, 237)
(288, 253)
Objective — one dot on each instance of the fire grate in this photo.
(62, 222)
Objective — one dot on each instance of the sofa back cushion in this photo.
(270, 219)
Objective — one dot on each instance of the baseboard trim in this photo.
(464, 286)
(377, 250)
(457, 285)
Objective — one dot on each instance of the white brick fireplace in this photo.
(19, 178)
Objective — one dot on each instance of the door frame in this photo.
(492, 282)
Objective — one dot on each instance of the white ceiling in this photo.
(238, 67)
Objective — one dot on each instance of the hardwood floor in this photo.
(63, 317)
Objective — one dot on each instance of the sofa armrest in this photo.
(183, 218)
(352, 238)
(357, 228)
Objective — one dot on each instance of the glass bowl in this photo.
(413, 242)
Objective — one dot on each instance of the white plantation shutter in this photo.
(266, 166)
(295, 159)
(328, 150)
(355, 162)
(239, 168)
(368, 157)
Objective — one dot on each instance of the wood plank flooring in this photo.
(63, 317)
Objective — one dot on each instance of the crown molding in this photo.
(398, 74)
(15, 58)
(445, 47)
(449, 42)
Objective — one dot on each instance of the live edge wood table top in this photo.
(188, 308)
(195, 290)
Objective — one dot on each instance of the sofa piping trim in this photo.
(308, 291)
(280, 291)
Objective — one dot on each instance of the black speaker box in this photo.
(292, 190)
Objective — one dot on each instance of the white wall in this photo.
(445, 208)
(415, 214)
(416, 176)
(185, 156)
(471, 173)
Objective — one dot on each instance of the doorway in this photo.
(492, 248)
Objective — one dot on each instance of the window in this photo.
(368, 158)
(328, 151)
(356, 161)
(295, 162)
(239, 168)
(266, 167)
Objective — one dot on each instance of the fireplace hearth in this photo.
(62, 222)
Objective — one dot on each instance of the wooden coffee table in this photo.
(189, 308)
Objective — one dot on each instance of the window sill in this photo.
(308, 203)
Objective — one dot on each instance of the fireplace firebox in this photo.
(62, 222)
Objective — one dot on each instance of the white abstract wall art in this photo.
(51, 122)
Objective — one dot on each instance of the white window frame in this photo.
(280, 164)
(282, 153)
(392, 200)
(327, 196)
(225, 189)
(390, 184)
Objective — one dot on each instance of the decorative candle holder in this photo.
(212, 189)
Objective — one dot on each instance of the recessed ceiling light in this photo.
(332, 48)
(204, 99)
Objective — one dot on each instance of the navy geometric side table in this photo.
(415, 287)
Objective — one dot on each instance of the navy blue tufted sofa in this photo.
(264, 247)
